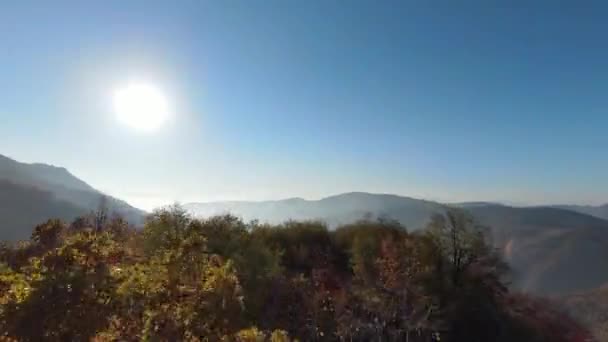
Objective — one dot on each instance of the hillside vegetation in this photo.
(545, 246)
(221, 279)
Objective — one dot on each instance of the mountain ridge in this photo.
(40, 172)
(544, 244)
(334, 210)
(55, 192)
(600, 211)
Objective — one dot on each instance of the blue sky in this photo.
(275, 99)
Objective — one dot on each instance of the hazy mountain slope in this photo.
(61, 187)
(551, 250)
(40, 175)
(22, 208)
(600, 211)
(334, 210)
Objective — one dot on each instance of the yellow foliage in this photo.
(252, 334)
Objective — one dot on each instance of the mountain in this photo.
(551, 250)
(32, 193)
(473, 204)
(334, 210)
(40, 175)
(22, 208)
(600, 211)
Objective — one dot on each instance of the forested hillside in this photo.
(54, 192)
(221, 279)
(545, 246)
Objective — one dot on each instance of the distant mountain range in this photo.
(334, 210)
(33, 193)
(600, 211)
(551, 249)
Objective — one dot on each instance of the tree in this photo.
(467, 277)
(220, 279)
(100, 216)
(458, 241)
(48, 235)
(66, 291)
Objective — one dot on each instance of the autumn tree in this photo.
(221, 279)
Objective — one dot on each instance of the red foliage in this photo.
(543, 317)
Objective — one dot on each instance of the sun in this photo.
(141, 106)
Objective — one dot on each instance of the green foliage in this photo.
(164, 229)
(220, 279)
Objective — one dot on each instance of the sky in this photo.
(480, 100)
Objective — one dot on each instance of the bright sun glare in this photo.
(141, 106)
